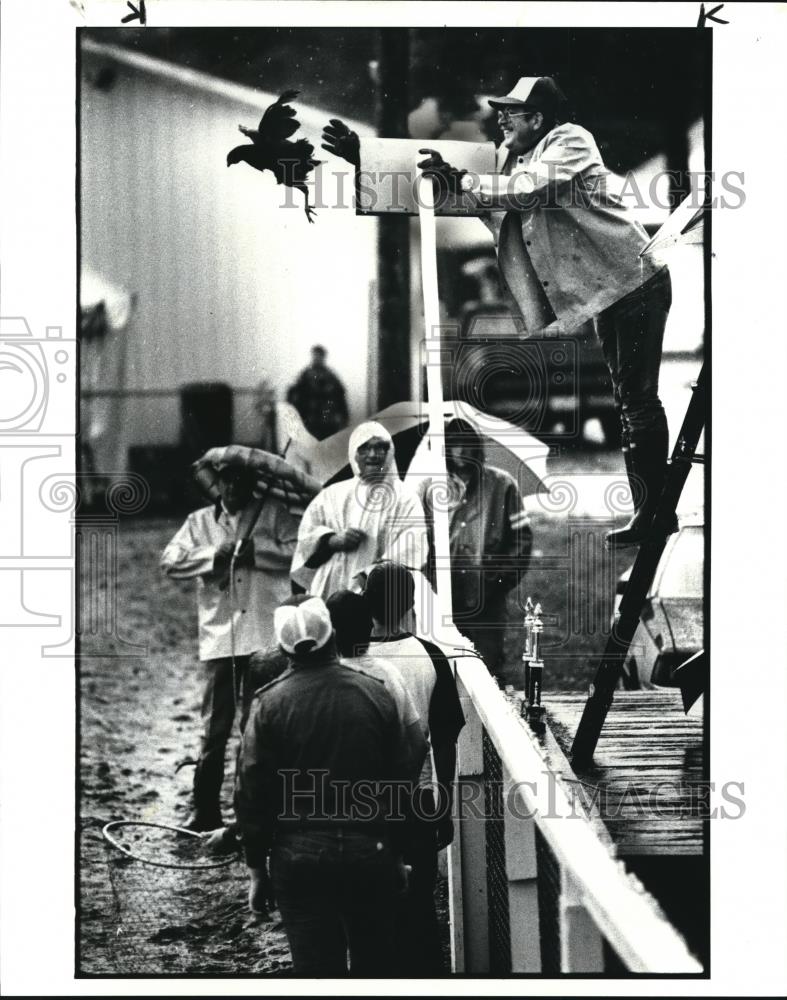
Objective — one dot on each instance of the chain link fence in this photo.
(496, 877)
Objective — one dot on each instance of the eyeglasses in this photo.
(506, 116)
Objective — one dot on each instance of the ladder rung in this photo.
(643, 573)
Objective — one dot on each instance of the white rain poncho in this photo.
(388, 512)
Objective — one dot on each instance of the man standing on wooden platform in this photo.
(568, 251)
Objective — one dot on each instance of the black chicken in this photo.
(290, 162)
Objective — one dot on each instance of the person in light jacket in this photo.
(235, 616)
(352, 525)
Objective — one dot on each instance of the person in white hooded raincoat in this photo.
(352, 525)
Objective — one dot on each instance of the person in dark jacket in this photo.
(321, 769)
(490, 540)
(319, 397)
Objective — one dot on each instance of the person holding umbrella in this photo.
(235, 613)
(489, 535)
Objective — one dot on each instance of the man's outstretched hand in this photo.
(447, 178)
(340, 140)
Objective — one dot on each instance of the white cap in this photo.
(303, 628)
(539, 93)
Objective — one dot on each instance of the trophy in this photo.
(527, 653)
(535, 710)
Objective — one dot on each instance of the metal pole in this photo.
(434, 388)
(393, 241)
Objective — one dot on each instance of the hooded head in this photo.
(464, 449)
(371, 451)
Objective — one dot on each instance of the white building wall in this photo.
(230, 285)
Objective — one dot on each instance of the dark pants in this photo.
(631, 332)
(487, 635)
(418, 947)
(486, 629)
(335, 890)
(221, 695)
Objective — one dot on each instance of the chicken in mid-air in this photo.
(289, 162)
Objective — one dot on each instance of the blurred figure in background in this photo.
(319, 397)
(234, 620)
(490, 540)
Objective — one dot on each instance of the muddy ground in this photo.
(139, 715)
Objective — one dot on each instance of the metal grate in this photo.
(548, 905)
(496, 879)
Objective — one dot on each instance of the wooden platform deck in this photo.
(647, 783)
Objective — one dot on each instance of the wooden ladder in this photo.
(642, 574)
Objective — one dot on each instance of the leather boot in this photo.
(208, 776)
(646, 466)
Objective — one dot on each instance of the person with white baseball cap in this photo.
(321, 759)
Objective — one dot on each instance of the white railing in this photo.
(597, 898)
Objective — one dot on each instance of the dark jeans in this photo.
(631, 332)
(335, 890)
(418, 946)
(484, 626)
(218, 714)
(487, 634)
